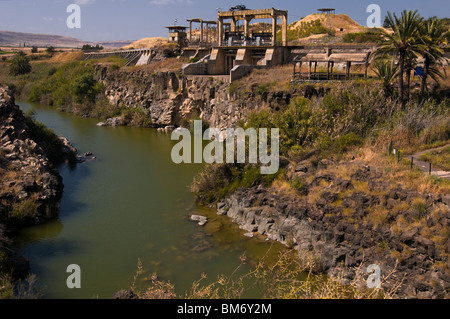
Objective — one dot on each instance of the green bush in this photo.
(20, 64)
(45, 138)
(66, 85)
(216, 181)
(345, 142)
(362, 37)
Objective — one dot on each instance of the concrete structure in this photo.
(329, 57)
(177, 34)
(208, 35)
(234, 52)
(248, 16)
(133, 57)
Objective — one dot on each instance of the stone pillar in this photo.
(190, 31)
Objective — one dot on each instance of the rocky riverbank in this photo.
(30, 185)
(349, 215)
(172, 99)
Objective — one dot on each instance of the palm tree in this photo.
(403, 41)
(434, 34)
(410, 65)
(387, 72)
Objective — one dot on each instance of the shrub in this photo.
(362, 37)
(20, 64)
(45, 138)
(84, 88)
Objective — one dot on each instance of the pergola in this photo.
(248, 16)
(330, 59)
(203, 23)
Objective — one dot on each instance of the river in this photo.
(131, 203)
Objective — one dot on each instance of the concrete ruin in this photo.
(235, 52)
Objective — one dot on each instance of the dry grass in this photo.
(168, 65)
(401, 173)
(278, 78)
(335, 21)
(64, 57)
(289, 277)
(146, 43)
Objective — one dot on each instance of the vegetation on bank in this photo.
(351, 115)
(289, 277)
(439, 158)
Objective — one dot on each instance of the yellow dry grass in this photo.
(334, 21)
(64, 57)
(146, 43)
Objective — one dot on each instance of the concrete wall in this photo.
(239, 71)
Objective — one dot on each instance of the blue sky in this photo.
(103, 20)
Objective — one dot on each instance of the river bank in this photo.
(31, 186)
(369, 210)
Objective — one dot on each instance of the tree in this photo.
(89, 48)
(34, 49)
(20, 64)
(85, 88)
(403, 42)
(433, 37)
(50, 49)
(387, 72)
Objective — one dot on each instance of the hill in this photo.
(9, 38)
(16, 39)
(146, 43)
(338, 22)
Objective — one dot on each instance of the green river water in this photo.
(131, 203)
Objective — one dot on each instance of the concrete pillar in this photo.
(247, 27)
(220, 31)
(201, 32)
(233, 24)
(274, 29)
(284, 28)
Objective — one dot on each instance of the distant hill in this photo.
(146, 43)
(338, 22)
(10, 38)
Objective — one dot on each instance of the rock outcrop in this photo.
(171, 98)
(31, 186)
(344, 227)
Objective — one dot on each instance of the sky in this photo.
(108, 20)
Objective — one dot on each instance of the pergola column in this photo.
(284, 28)
(247, 26)
(220, 31)
(233, 24)
(201, 31)
(274, 29)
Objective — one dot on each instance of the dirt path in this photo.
(425, 166)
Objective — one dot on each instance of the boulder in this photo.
(202, 220)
